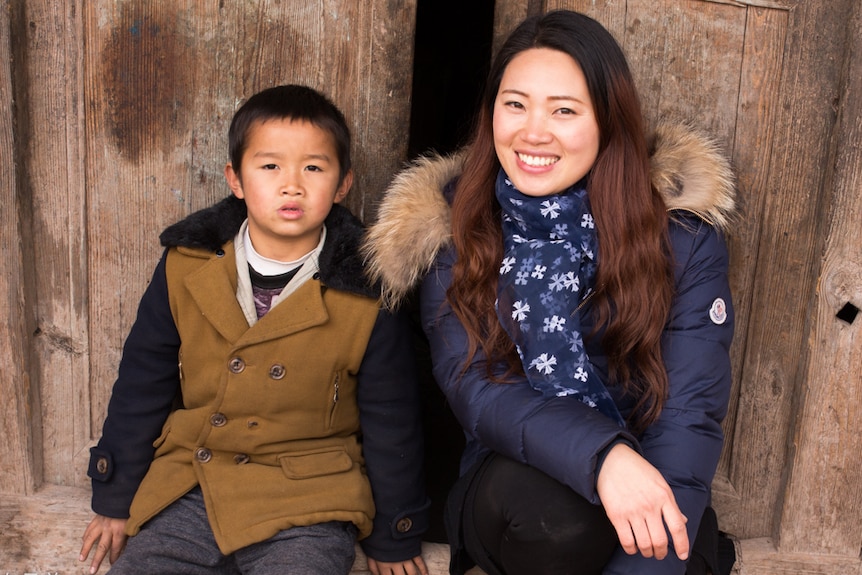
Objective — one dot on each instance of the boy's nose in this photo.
(290, 186)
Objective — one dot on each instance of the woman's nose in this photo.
(536, 128)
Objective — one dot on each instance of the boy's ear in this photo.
(233, 181)
(344, 186)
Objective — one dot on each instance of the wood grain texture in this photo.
(773, 380)
(753, 137)
(20, 470)
(822, 511)
(53, 168)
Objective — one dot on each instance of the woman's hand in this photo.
(415, 566)
(639, 503)
(108, 534)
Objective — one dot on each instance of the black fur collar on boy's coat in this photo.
(341, 265)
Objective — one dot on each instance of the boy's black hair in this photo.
(290, 102)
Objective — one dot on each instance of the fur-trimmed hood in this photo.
(341, 265)
(413, 221)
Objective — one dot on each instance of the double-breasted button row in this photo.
(237, 365)
(204, 455)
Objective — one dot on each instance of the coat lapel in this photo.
(213, 289)
(303, 309)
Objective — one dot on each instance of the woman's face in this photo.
(545, 130)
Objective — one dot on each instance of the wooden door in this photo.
(118, 128)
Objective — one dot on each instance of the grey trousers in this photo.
(179, 540)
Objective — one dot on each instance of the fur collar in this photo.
(341, 265)
(413, 220)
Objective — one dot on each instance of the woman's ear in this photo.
(233, 180)
(344, 187)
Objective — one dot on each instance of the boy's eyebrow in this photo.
(266, 154)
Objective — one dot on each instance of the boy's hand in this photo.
(108, 534)
(415, 566)
(640, 503)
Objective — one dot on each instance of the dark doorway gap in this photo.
(451, 58)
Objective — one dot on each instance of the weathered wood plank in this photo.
(760, 557)
(773, 378)
(757, 111)
(20, 471)
(52, 186)
(822, 510)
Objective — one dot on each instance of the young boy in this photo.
(265, 405)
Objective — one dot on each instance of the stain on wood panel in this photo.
(146, 80)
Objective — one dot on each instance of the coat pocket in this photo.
(315, 463)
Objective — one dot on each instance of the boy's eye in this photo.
(313, 168)
(269, 167)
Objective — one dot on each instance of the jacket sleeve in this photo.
(392, 442)
(146, 386)
(685, 443)
(561, 436)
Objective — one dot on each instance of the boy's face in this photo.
(289, 181)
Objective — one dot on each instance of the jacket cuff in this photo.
(403, 539)
(110, 499)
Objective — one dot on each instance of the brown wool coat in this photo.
(271, 448)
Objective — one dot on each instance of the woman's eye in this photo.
(565, 111)
(514, 104)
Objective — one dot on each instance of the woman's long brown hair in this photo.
(634, 287)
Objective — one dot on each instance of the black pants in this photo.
(511, 519)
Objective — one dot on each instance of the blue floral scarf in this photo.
(548, 270)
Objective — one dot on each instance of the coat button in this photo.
(102, 465)
(203, 454)
(220, 253)
(276, 371)
(218, 419)
(404, 525)
(236, 365)
(240, 458)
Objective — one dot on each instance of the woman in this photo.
(574, 294)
